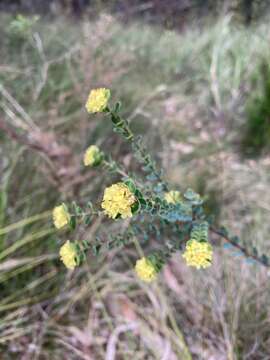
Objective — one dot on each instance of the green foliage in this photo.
(256, 137)
(199, 231)
(21, 27)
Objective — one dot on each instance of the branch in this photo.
(263, 260)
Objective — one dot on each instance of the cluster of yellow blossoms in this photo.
(118, 200)
(198, 254)
(92, 156)
(61, 216)
(68, 254)
(145, 269)
(98, 100)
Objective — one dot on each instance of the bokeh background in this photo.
(194, 78)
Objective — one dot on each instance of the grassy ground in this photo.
(188, 94)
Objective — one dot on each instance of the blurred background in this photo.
(193, 76)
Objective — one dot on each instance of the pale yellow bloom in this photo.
(145, 270)
(97, 100)
(60, 216)
(118, 199)
(92, 156)
(198, 254)
(173, 197)
(68, 254)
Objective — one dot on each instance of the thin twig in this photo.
(238, 246)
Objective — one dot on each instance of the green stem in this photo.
(122, 127)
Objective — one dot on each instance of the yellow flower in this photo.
(118, 199)
(60, 216)
(198, 254)
(145, 269)
(97, 100)
(173, 197)
(92, 156)
(68, 254)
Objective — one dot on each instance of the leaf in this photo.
(151, 177)
(158, 188)
(135, 207)
(130, 184)
(73, 222)
(145, 237)
(265, 259)
(173, 216)
(87, 220)
(235, 239)
(117, 106)
(255, 251)
(193, 197)
(199, 231)
(138, 194)
(223, 231)
(146, 168)
(85, 244)
(96, 248)
(115, 119)
(89, 205)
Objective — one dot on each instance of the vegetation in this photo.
(257, 130)
(187, 93)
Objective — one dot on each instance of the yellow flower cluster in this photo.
(145, 270)
(60, 216)
(97, 100)
(92, 156)
(68, 254)
(173, 197)
(198, 254)
(118, 199)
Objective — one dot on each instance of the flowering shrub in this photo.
(176, 219)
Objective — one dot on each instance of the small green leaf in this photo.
(135, 207)
(255, 251)
(223, 231)
(72, 222)
(130, 184)
(193, 197)
(96, 249)
(235, 239)
(85, 244)
(89, 205)
(117, 106)
(265, 259)
(87, 220)
(138, 194)
(142, 202)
